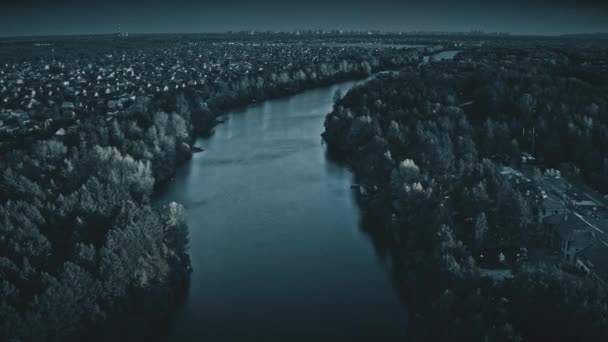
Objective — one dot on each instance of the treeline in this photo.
(83, 254)
(553, 103)
(209, 100)
(428, 146)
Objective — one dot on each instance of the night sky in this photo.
(53, 17)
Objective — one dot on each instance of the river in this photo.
(276, 242)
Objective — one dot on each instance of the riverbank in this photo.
(82, 241)
(453, 220)
(201, 116)
(276, 245)
(204, 127)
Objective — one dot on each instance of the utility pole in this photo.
(533, 136)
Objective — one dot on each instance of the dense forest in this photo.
(428, 146)
(82, 248)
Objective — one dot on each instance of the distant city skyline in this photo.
(64, 17)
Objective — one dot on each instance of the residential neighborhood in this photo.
(49, 90)
(573, 223)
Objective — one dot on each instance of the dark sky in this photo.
(51, 17)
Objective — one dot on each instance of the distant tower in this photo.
(120, 33)
(53, 52)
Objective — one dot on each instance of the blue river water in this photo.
(276, 242)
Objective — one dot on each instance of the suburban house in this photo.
(568, 234)
(552, 206)
(67, 109)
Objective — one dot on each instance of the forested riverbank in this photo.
(275, 240)
(433, 149)
(84, 255)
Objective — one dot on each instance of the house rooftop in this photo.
(67, 105)
(569, 225)
(552, 205)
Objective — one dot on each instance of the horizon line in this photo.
(316, 31)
